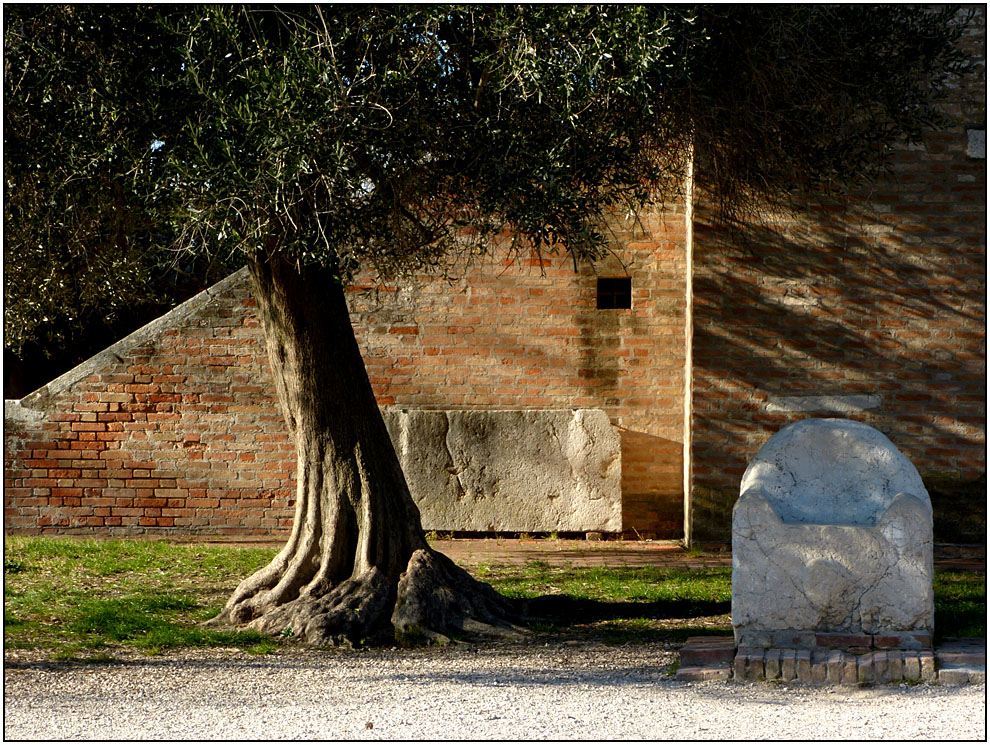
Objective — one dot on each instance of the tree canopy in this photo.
(349, 135)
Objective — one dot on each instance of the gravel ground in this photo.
(582, 691)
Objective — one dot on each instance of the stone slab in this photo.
(903, 640)
(864, 665)
(895, 664)
(833, 662)
(833, 640)
(850, 670)
(834, 404)
(881, 670)
(788, 664)
(912, 666)
(739, 667)
(707, 650)
(962, 652)
(511, 471)
(955, 675)
(771, 664)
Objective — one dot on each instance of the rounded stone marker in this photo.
(833, 471)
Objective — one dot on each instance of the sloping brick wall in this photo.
(172, 430)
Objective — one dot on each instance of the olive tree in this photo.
(316, 142)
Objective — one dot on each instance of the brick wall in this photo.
(175, 430)
(880, 295)
(524, 333)
(873, 307)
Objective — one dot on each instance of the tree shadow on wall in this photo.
(841, 299)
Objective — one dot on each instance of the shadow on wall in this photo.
(652, 485)
(846, 300)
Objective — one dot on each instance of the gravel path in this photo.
(571, 692)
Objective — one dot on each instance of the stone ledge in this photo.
(843, 404)
(961, 675)
(856, 643)
(971, 652)
(707, 651)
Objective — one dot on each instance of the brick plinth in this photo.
(957, 662)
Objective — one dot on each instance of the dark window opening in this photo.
(614, 293)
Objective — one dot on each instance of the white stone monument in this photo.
(832, 533)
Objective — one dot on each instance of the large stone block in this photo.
(832, 532)
(512, 471)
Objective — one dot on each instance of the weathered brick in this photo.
(788, 665)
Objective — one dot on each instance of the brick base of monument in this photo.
(716, 658)
(834, 666)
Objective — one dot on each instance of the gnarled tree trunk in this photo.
(356, 565)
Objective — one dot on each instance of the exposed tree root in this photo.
(432, 600)
(435, 595)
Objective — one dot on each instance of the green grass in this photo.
(960, 604)
(616, 605)
(87, 599)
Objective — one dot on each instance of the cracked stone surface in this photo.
(831, 470)
(826, 536)
(511, 470)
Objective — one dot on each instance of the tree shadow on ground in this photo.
(564, 610)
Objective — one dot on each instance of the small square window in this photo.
(614, 293)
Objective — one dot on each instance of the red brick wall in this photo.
(175, 435)
(180, 433)
(882, 294)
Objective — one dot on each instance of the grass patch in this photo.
(618, 605)
(87, 599)
(92, 599)
(960, 604)
(703, 587)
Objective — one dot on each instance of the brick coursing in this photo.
(180, 432)
(176, 434)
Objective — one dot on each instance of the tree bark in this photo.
(356, 566)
